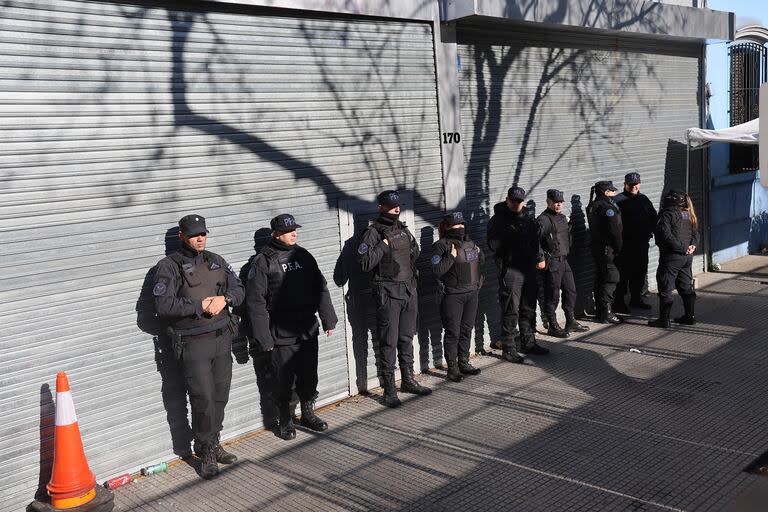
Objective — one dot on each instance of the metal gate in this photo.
(118, 119)
(556, 109)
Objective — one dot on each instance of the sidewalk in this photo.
(592, 426)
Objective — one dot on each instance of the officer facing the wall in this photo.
(513, 236)
(388, 250)
(638, 218)
(555, 240)
(193, 289)
(677, 234)
(605, 226)
(284, 290)
(457, 262)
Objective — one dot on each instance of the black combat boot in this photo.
(466, 368)
(208, 466)
(286, 430)
(531, 347)
(480, 350)
(571, 325)
(222, 455)
(663, 321)
(390, 393)
(309, 419)
(454, 375)
(508, 353)
(607, 316)
(689, 303)
(555, 330)
(544, 322)
(408, 383)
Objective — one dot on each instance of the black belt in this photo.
(203, 335)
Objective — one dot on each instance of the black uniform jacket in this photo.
(283, 291)
(168, 282)
(605, 224)
(514, 238)
(638, 217)
(674, 232)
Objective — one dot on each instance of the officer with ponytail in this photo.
(676, 236)
(457, 262)
(606, 229)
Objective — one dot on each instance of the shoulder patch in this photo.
(231, 269)
(610, 212)
(214, 266)
(362, 248)
(159, 289)
(436, 259)
(251, 272)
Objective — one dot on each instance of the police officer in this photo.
(605, 226)
(676, 236)
(638, 218)
(193, 289)
(456, 261)
(513, 237)
(284, 290)
(555, 240)
(388, 250)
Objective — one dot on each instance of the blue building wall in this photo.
(738, 203)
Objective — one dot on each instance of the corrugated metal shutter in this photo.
(546, 109)
(117, 119)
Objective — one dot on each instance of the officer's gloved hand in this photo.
(240, 350)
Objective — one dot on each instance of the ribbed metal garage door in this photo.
(545, 109)
(117, 119)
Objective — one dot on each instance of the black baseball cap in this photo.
(192, 225)
(454, 218)
(555, 195)
(605, 186)
(516, 194)
(389, 198)
(284, 222)
(632, 178)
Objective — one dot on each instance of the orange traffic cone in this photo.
(72, 482)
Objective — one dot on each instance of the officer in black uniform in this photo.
(638, 218)
(555, 240)
(676, 236)
(193, 289)
(513, 236)
(284, 290)
(388, 250)
(457, 262)
(605, 226)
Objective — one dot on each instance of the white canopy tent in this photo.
(697, 138)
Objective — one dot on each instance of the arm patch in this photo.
(159, 289)
(362, 248)
(436, 259)
(609, 212)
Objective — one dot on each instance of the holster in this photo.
(177, 344)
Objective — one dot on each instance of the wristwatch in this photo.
(228, 299)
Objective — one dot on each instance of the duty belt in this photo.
(203, 336)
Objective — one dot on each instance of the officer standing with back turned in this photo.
(388, 250)
(193, 289)
(284, 290)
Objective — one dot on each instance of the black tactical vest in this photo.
(685, 230)
(198, 281)
(292, 285)
(464, 275)
(396, 264)
(558, 243)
